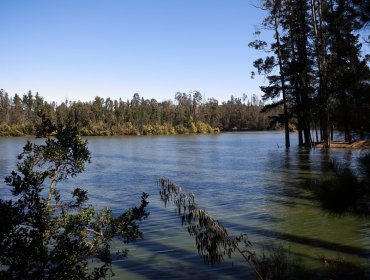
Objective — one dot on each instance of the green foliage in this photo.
(45, 236)
(16, 129)
(202, 127)
(98, 129)
(180, 129)
(157, 129)
(322, 78)
(212, 239)
(106, 117)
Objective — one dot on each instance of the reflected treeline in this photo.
(339, 185)
(344, 190)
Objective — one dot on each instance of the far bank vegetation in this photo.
(188, 113)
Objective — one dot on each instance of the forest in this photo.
(188, 113)
(317, 67)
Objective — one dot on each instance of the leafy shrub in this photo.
(180, 129)
(46, 237)
(12, 130)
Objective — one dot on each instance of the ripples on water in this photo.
(245, 180)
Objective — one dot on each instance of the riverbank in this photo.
(360, 144)
(102, 129)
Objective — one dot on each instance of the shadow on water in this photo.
(168, 262)
(160, 259)
(338, 185)
(344, 190)
(242, 179)
(307, 241)
(281, 200)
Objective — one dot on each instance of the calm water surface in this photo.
(245, 180)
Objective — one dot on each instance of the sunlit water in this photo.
(248, 181)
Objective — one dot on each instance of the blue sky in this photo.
(82, 49)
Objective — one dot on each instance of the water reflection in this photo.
(304, 225)
(242, 179)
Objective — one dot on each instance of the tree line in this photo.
(315, 68)
(187, 113)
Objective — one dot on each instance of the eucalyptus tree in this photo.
(27, 101)
(136, 110)
(61, 113)
(183, 109)
(167, 112)
(155, 116)
(212, 112)
(97, 109)
(4, 107)
(16, 116)
(197, 101)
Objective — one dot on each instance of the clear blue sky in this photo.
(78, 49)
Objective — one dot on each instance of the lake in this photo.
(246, 180)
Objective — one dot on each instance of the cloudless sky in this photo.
(79, 49)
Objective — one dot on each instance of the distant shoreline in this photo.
(163, 134)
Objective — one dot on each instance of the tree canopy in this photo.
(187, 113)
(315, 67)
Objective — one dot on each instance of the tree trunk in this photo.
(282, 79)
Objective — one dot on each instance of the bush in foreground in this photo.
(44, 236)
